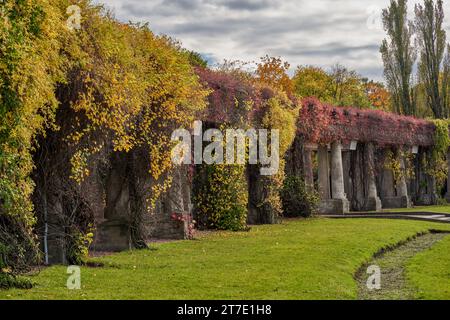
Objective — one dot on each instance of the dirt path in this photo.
(392, 265)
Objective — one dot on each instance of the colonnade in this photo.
(379, 188)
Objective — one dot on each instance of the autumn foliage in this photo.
(323, 124)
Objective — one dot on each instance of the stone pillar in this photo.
(339, 203)
(387, 189)
(427, 194)
(402, 199)
(165, 227)
(324, 173)
(447, 196)
(432, 187)
(402, 188)
(337, 172)
(308, 168)
(373, 202)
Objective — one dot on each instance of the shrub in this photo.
(297, 200)
(221, 197)
(8, 280)
(79, 244)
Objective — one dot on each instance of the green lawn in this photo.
(429, 272)
(434, 209)
(301, 259)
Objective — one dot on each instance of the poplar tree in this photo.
(399, 56)
(431, 40)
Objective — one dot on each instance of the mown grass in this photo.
(429, 272)
(300, 259)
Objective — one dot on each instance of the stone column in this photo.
(308, 168)
(402, 188)
(171, 220)
(373, 202)
(337, 172)
(324, 173)
(339, 203)
(447, 196)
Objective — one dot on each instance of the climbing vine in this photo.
(323, 124)
(30, 67)
(437, 164)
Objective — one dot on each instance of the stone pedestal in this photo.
(396, 202)
(334, 206)
(113, 236)
(373, 204)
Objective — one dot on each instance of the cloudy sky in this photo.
(315, 32)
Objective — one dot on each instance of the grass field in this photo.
(300, 259)
(429, 272)
(434, 209)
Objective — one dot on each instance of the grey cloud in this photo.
(320, 32)
(175, 8)
(250, 5)
(331, 50)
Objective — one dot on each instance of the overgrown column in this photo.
(431, 183)
(324, 177)
(402, 187)
(308, 168)
(373, 202)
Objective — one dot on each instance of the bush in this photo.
(7, 280)
(297, 200)
(221, 198)
(79, 244)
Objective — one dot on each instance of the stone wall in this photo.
(113, 199)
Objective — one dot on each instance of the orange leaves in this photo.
(272, 71)
(379, 97)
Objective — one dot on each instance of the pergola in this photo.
(351, 146)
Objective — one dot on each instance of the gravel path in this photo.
(394, 285)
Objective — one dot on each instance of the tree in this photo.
(445, 84)
(399, 56)
(30, 65)
(195, 59)
(340, 86)
(311, 81)
(379, 97)
(272, 71)
(347, 88)
(431, 39)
